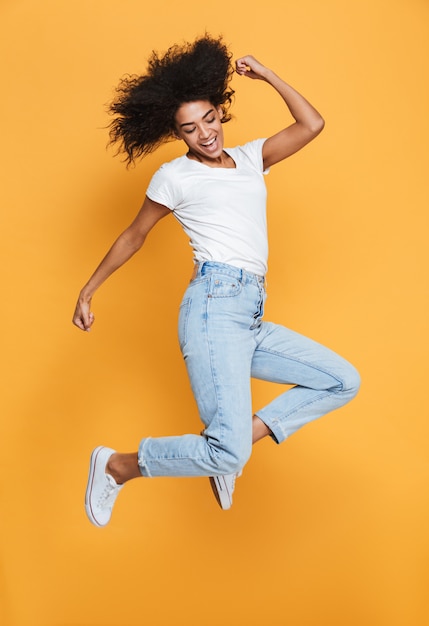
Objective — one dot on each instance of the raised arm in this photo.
(308, 122)
(126, 245)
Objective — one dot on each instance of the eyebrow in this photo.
(192, 123)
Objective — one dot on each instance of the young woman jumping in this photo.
(218, 195)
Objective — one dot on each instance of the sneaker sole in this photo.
(221, 492)
(92, 464)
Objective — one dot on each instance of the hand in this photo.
(250, 67)
(83, 317)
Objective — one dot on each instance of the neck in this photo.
(224, 160)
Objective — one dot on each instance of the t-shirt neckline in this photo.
(214, 168)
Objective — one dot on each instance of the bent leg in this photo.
(323, 381)
(217, 343)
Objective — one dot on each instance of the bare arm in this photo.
(126, 245)
(308, 122)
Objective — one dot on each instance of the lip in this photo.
(210, 145)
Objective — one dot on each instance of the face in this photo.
(199, 125)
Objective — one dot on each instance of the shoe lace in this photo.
(109, 493)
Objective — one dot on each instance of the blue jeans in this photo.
(224, 343)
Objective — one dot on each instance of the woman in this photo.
(218, 195)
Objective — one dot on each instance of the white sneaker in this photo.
(102, 489)
(223, 488)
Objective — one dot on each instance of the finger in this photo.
(89, 321)
(241, 65)
(79, 323)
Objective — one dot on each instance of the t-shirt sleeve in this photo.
(162, 189)
(253, 151)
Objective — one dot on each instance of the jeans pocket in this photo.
(224, 287)
(184, 310)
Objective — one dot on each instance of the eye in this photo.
(210, 121)
(188, 132)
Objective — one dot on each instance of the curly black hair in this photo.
(145, 106)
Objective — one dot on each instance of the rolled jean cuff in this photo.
(277, 434)
(141, 460)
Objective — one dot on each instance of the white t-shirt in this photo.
(222, 210)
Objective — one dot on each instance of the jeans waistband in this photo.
(203, 268)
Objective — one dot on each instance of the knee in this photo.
(232, 461)
(351, 381)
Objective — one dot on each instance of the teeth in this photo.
(209, 143)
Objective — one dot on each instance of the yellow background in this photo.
(330, 529)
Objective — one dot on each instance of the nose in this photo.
(203, 132)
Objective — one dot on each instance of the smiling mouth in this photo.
(208, 144)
